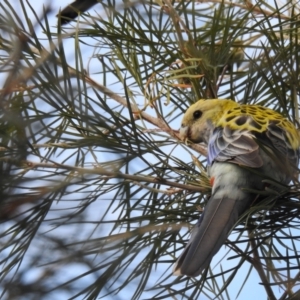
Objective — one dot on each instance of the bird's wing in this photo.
(244, 147)
(235, 146)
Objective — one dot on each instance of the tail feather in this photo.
(210, 233)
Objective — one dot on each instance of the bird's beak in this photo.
(183, 132)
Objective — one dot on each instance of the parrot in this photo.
(246, 144)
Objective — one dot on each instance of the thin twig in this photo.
(111, 174)
(258, 267)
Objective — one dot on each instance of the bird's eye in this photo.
(197, 114)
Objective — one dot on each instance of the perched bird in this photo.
(245, 144)
(71, 11)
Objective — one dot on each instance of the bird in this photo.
(71, 11)
(246, 144)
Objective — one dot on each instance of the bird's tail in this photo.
(210, 233)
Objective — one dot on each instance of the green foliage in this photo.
(97, 190)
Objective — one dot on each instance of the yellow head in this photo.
(202, 117)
